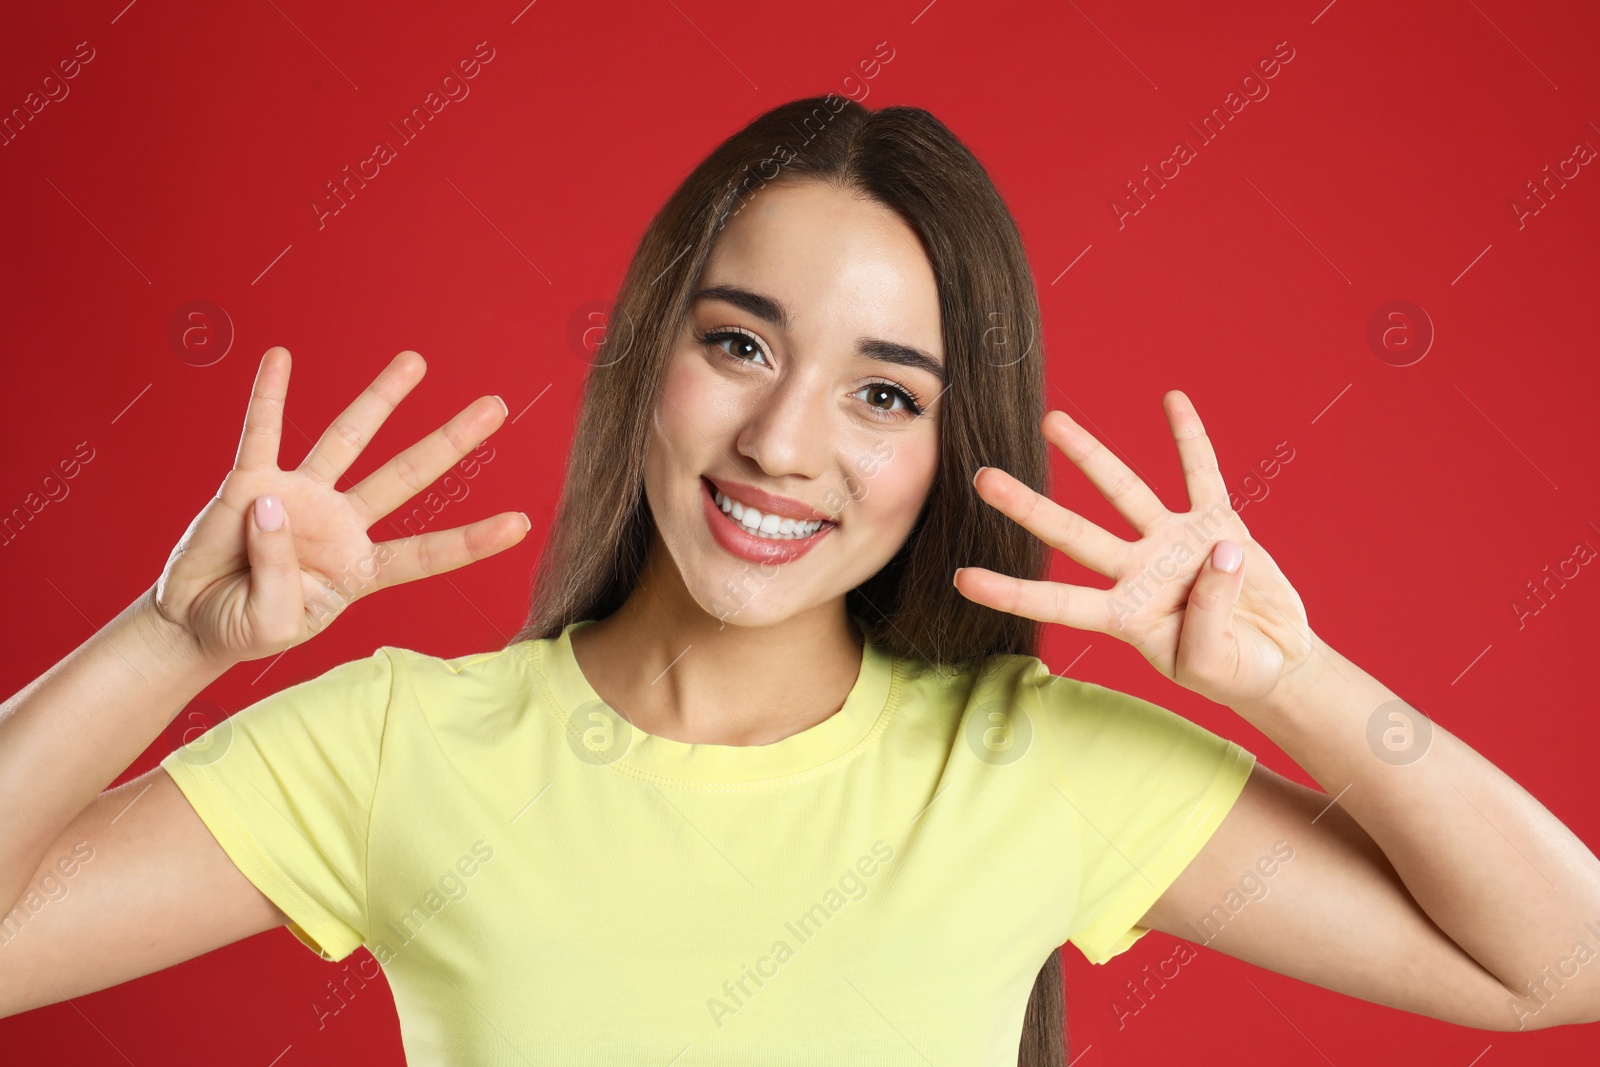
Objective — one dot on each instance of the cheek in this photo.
(892, 481)
(685, 408)
(677, 397)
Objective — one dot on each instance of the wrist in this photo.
(1300, 683)
(169, 644)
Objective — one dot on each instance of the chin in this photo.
(746, 594)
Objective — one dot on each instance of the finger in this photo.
(351, 432)
(1127, 492)
(1077, 606)
(413, 470)
(409, 558)
(1053, 524)
(275, 603)
(1208, 635)
(263, 419)
(1201, 475)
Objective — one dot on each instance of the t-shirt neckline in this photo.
(865, 711)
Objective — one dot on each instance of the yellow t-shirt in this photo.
(544, 884)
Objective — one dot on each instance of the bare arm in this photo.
(99, 887)
(1429, 881)
(80, 724)
(103, 887)
(134, 883)
(1428, 878)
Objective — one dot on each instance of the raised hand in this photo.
(1234, 637)
(277, 555)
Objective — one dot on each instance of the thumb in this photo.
(274, 603)
(1208, 619)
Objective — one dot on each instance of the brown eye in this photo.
(877, 393)
(742, 348)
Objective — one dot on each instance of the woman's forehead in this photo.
(830, 259)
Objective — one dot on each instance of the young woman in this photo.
(772, 774)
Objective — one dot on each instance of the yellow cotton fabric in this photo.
(543, 884)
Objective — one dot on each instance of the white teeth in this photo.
(773, 527)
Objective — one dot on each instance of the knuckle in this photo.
(1059, 598)
(1122, 484)
(406, 471)
(1073, 528)
(348, 433)
(453, 434)
(426, 563)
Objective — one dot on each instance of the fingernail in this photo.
(525, 519)
(975, 474)
(269, 513)
(1227, 556)
(503, 403)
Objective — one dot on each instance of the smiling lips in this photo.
(780, 532)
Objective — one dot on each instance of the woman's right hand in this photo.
(277, 555)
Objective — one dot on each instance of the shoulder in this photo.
(467, 686)
(1078, 715)
(974, 695)
(997, 679)
(512, 660)
(509, 666)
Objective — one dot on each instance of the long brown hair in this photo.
(908, 160)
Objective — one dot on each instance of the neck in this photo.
(674, 670)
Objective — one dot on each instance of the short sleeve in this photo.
(1146, 789)
(286, 787)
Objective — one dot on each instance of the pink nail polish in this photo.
(1227, 556)
(269, 513)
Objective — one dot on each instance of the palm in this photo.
(1154, 577)
(209, 586)
(329, 543)
(1266, 620)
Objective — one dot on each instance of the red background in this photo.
(1419, 502)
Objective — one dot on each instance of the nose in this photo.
(788, 431)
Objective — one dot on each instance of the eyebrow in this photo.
(773, 311)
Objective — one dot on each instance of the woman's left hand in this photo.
(1235, 638)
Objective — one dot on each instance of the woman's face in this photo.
(806, 381)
